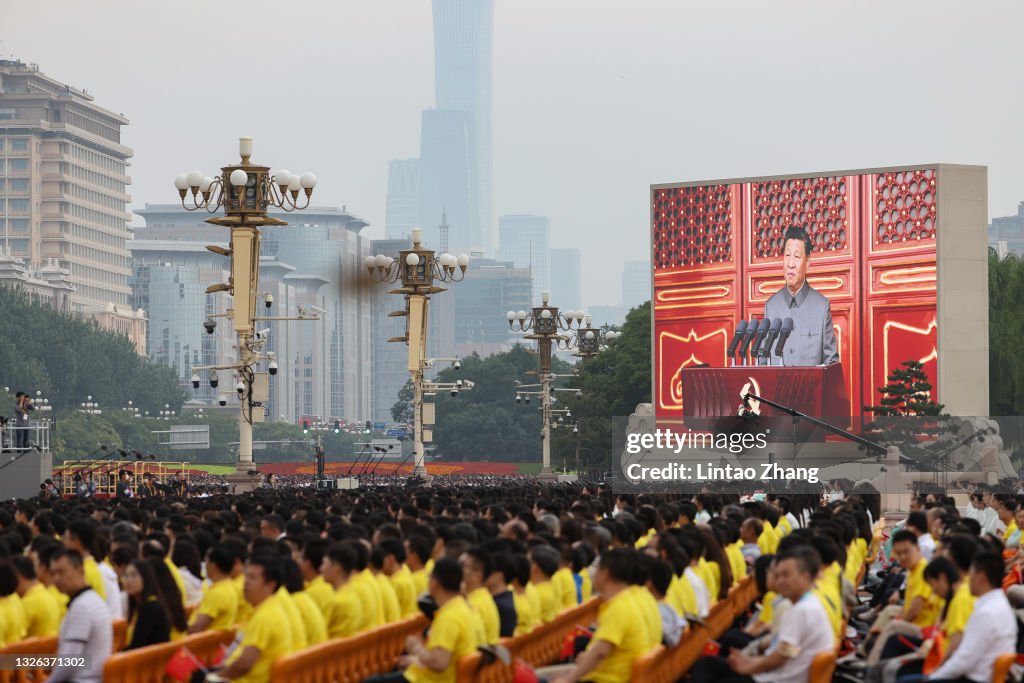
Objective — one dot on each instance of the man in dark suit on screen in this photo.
(813, 340)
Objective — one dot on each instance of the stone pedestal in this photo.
(241, 481)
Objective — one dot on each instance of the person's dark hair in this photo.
(174, 601)
(221, 557)
(24, 566)
(688, 510)
(620, 564)
(186, 554)
(521, 569)
(659, 573)
(904, 536)
(123, 556)
(918, 520)
(482, 558)
(150, 588)
(394, 547)
(961, 549)
(806, 557)
(270, 565)
(291, 576)
(761, 566)
(314, 552)
(969, 525)
(942, 566)
(275, 520)
(546, 558)
(360, 552)
(448, 574)
(343, 555)
(8, 578)
(73, 556)
(991, 565)
(420, 546)
(795, 232)
(85, 531)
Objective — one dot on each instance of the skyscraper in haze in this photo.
(636, 283)
(402, 212)
(456, 134)
(567, 279)
(525, 241)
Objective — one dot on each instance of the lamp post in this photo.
(546, 325)
(90, 407)
(245, 191)
(417, 269)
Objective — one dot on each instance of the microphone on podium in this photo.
(737, 337)
(762, 330)
(747, 338)
(766, 348)
(787, 329)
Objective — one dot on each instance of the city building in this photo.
(63, 190)
(567, 279)
(490, 289)
(402, 212)
(636, 283)
(315, 262)
(525, 241)
(1006, 233)
(456, 170)
(46, 285)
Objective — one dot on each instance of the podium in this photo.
(712, 396)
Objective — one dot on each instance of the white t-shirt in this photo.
(803, 632)
(701, 592)
(85, 631)
(115, 605)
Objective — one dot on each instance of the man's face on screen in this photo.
(794, 259)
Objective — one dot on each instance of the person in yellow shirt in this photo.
(267, 636)
(620, 637)
(291, 613)
(218, 609)
(344, 614)
(313, 624)
(81, 536)
(388, 596)
(476, 567)
(12, 612)
(372, 606)
(240, 553)
(42, 612)
(40, 557)
(544, 562)
(920, 606)
(318, 590)
(398, 573)
(417, 554)
(564, 582)
(527, 606)
(452, 635)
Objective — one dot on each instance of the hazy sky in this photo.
(593, 100)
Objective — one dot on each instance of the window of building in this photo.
(18, 205)
(17, 224)
(17, 164)
(7, 114)
(17, 185)
(19, 246)
(19, 145)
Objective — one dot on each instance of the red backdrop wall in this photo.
(717, 257)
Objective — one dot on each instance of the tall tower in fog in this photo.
(456, 167)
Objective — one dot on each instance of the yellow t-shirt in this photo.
(549, 605)
(736, 561)
(244, 608)
(93, 576)
(15, 623)
(453, 629)
(586, 585)
(371, 606)
(291, 613)
(712, 577)
(647, 607)
(419, 580)
(176, 573)
(487, 613)
(320, 592)
(312, 618)
(61, 598)
(388, 599)
(1011, 529)
(767, 607)
(269, 631)
(617, 625)
(565, 588)
(961, 605)
(918, 587)
(42, 613)
(681, 596)
(768, 541)
(527, 618)
(783, 528)
(405, 591)
(344, 613)
(220, 603)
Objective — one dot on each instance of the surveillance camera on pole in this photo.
(268, 299)
(210, 325)
(222, 400)
(195, 380)
(214, 380)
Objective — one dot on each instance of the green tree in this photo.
(908, 417)
(402, 412)
(1006, 329)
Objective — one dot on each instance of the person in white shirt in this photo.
(990, 631)
(804, 630)
(86, 630)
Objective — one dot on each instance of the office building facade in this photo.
(402, 211)
(567, 278)
(525, 241)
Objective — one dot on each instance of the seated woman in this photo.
(148, 620)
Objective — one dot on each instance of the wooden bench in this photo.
(148, 664)
(349, 660)
(822, 667)
(540, 647)
(1001, 667)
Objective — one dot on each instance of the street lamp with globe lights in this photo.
(417, 268)
(245, 191)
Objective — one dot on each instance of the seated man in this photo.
(804, 630)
